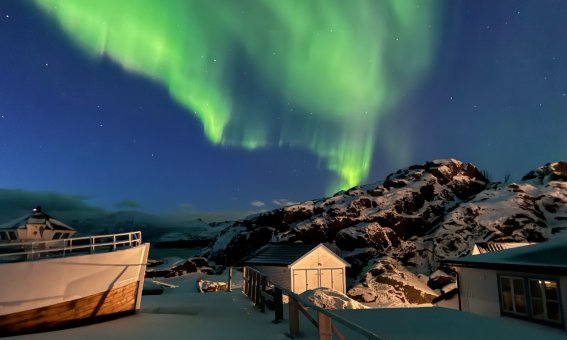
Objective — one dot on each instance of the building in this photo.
(37, 226)
(300, 267)
(528, 283)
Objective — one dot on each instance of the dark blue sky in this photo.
(496, 96)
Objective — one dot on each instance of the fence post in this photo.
(293, 318)
(229, 279)
(262, 289)
(256, 288)
(245, 280)
(114, 242)
(325, 327)
(253, 287)
(278, 304)
(91, 240)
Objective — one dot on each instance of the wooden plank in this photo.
(325, 327)
(262, 288)
(278, 304)
(71, 313)
(293, 318)
(337, 332)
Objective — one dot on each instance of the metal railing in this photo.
(22, 251)
(254, 285)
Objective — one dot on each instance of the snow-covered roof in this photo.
(488, 247)
(284, 254)
(36, 217)
(548, 257)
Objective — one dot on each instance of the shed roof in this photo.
(545, 257)
(284, 254)
(488, 247)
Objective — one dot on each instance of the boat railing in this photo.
(21, 251)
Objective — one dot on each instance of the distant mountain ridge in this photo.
(395, 233)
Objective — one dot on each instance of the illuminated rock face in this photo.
(410, 222)
(326, 71)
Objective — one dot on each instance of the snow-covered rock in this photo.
(331, 299)
(206, 286)
(415, 218)
(387, 283)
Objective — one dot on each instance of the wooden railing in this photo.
(21, 251)
(254, 287)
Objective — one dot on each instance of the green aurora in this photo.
(336, 67)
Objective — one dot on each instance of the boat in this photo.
(54, 281)
(37, 226)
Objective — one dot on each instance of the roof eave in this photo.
(533, 268)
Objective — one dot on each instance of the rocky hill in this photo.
(394, 233)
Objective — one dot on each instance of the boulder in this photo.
(331, 299)
(387, 283)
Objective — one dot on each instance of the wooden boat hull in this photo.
(70, 291)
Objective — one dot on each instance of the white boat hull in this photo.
(66, 291)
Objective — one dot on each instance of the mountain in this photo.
(161, 230)
(396, 232)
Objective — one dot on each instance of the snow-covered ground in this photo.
(184, 313)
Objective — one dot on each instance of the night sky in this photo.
(249, 105)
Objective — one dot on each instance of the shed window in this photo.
(12, 235)
(3, 235)
(57, 236)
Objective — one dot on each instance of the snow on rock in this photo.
(387, 283)
(331, 299)
(206, 286)
(439, 279)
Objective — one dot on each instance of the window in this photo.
(545, 300)
(513, 295)
(12, 235)
(56, 236)
(532, 298)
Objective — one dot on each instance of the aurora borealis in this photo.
(220, 104)
(341, 66)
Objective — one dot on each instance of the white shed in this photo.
(300, 267)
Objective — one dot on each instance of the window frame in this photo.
(512, 291)
(529, 315)
(13, 235)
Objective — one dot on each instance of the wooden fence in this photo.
(254, 287)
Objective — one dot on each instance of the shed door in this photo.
(333, 278)
(305, 279)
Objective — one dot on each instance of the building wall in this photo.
(279, 275)
(478, 289)
(320, 268)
